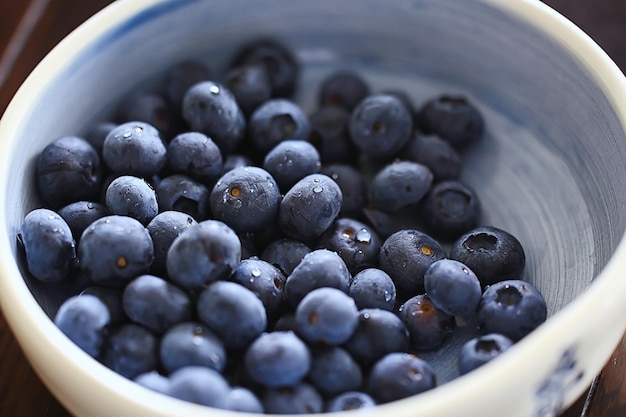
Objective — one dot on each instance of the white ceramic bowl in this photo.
(551, 168)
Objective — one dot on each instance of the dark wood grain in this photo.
(22, 393)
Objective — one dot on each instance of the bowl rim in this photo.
(38, 336)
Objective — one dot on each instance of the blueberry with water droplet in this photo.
(191, 344)
(290, 161)
(134, 148)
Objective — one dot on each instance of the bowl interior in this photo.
(550, 169)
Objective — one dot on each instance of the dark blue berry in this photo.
(353, 188)
(373, 288)
(148, 107)
(131, 196)
(320, 268)
(299, 399)
(210, 108)
(48, 245)
(400, 375)
(334, 371)
(512, 308)
(278, 359)
(277, 120)
(309, 208)
(154, 381)
(406, 255)
(428, 326)
(80, 214)
(244, 400)
(453, 118)
(326, 315)
(380, 126)
(200, 385)
(378, 333)
(450, 209)
(181, 76)
(233, 312)
(179, 192)
(290, 161)
(134, 148)
(115, 249)
(191, 344)
(247, 199)
(131, 350)
(492, 253)
(453, 287)
(84, 319)
(235, 160)
(250, 84)
(68, 170)
(285, 254)
(331, 136)
(112, 298)
(265, 280)
(196, 155)
(351, 400)
(163, 229)
(155, 303)
(342, 88)
(399, 185)
(204, 253)
(437, 154)
(480, 350)
(383, 222)
(355, 242)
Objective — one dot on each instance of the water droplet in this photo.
(138, 129)
(316, 180)
(196, 340)
(366, 316)
(237, 204)
(256, 272)
(388, 296)
(363, 236)
(127, 134)
(289, 162)
(214, 89)
(334, 176)
(317, 189)
(90, 206)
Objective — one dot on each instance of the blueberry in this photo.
(380, 126)
(68, 170)
(148, 107)
(334, 371)
(355, 242)
(400, 375)
(453, 287)
(97, 134)
(512, 308)
(196, 155)
(154, 381)
(233, 312)
(450, 209)
(244, 400)
(202, 254)
(163, 229)
(134, 148)
(210, 108)
(131, 196)
(200, 385)
(399, 185)
(309, 208)
(320, 268)
(265, 280)
(342, 88)
(453, 118)
(112, 299)
(383, 222)
(326, 315)
(351, 400)
(114, 250)
(278, 359)
(84, 319)
(179, 192)
(480, 350)
(280, 63)
(250, 84)
(352, 185)
(378, 333)
(191, 344)
(155, 303)
(181, 76)
(428, 326)
(247, 199)
(331, 136)
(80, 214)
(235, 160)
(48, 244)
(492, 253)
(131, 350)
(290, 161)
(373, 288)
(406, 255)
(277, 120)
(285, 254)
(299, 399)
(437, 154)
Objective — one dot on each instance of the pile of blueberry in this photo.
(230, 250)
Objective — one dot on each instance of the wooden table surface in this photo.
(30, 28)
